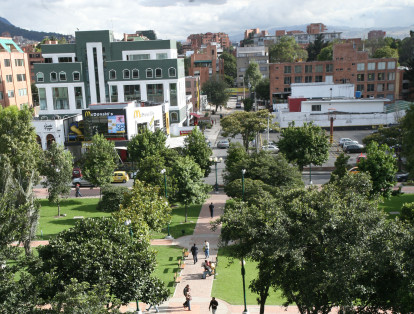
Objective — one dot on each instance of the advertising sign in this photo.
(116, 124)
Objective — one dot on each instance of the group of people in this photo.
(194, 251)
(187, 304)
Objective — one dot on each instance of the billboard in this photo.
(116, 124)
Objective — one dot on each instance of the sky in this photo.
(176, 19)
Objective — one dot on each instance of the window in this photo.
(76, 76)
(172, 72)
(53, 77)
(371, 76)
(298, 69)
(149, 73)
(360, 88)
(155, 93)
(9, 78)
(371, 66)
(390, 86)
(287, 80)
(161, 56)
(316, 107)
(288, 69)
(62, 76)
(380, 87)
(1, 96)
(135, 74)
(287, 90)
(48, 60)
(132, 92)
(42, 98)
(360, 77)
(112, 74)
(174, 117)
(173, 94)
(21, 77)
(60, 98)
(138, 57)
(318, 78)
(114, 93)
(329, 68)
(391, 76)
(319, 68)
(126, 74)
(22, 91)
(6, 62)
(308, 79)
(40, 77)
(19, 62)
(370, 87)
(391, 65)
(64, 59)
(381, 76)
(308, 68)
(390, 96)
(10, 93)
(361, 67)
(187, 84)
(381, 65)
(158, 73)
(78, 97)
(298, 79)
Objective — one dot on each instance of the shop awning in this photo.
(195, 115)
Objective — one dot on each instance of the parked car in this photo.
(238, 105)
(270, 148)
(120, 176)
(347, 143)
(82, 182)
(354, 148)
(343, 140)
(401, 177)
(223, 144)
(362, 156)
(76, 173)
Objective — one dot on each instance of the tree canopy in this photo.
(263, 89)
(216, 91)
(286, 50)
(230, 67)
(386, 52)
(195, 146)
(314, 48)
(146, 144)
(252, 76)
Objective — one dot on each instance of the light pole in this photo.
(243, 172)
(216, 161)
(128, 224)
(164, 172)
(331, 117)
(242, 262)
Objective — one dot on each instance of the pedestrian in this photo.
(155, 307)
(211, 206)
(186, 289)
(207, 269)
(77, 190)
(213, 305)
(194, 251)
(188, 299)
(207, 249)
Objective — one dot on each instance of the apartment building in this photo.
(376, 34)
(14, 75)
(192, 89)
(196, 41)
(33, 56)
(247, 55)
(372, 78)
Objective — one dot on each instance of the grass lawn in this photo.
(228, 284)
(167, 264)
(394, 203)
(178, 227)
(50, 225)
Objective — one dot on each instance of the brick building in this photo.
(378, 78)
(14, 75)
(33, 57)
(195, 41)
(192, 88)
(376, 34)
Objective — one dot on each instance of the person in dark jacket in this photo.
(194, 251)
(213, 305)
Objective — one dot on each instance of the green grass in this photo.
(228, 284)
(167, 264)
(51, 225)
(177, 225)
(394, 203)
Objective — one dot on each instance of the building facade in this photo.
(15, 87)
(195, 41)
(247, 55)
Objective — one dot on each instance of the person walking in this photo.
(194, 251)
(155, 307)
(207, 249)
(211, 206)
(188, 299)
(213, 305)
(77, 190)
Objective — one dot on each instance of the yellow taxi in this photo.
(354, 170)
(120, 176)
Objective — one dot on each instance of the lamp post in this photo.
(164, 172)
(243, 172)
(216, 161)
(128, 224)
(331, 117)
(242, 262)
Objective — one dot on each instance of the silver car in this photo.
(81, 182)
(223, 144)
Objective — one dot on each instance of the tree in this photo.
(263, 89)
(20, 153)
(314, 48)
(326, 54)
(252, 76)
(341, 167)
(304, 145)
(57, 168)
(381, 166)
(390, 136)
(406, 49)
(230, 67)
(187, 183)
(146, 144)
(247, 124)
(100, 161)
(216, 91)
(286, 50)
(386, 52)
(99, 251)
(195, 146)
(150, 170)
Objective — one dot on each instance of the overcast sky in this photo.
(176, 19)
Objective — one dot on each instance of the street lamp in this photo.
(216, 160)
(164, 172)
(128, 224)
(243, 172)
(331, 117)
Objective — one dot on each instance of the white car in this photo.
(270, 148)
(343, 140)
(347, 143)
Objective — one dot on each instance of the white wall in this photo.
(322, 90)
(348, 105)
(45, 127)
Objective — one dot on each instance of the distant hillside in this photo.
(6, 26)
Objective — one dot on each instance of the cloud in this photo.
(169, 3)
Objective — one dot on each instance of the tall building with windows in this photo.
(247, 55)
(14, 75)
(96, 69)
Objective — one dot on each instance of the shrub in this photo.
(112, 197)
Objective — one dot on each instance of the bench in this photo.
(185, 253)
(177, 279)
(181, 264)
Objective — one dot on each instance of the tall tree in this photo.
(146, 144)
(408, 137)
(326, 54)
(216, 91)
(230, 67)
(195, 146)
(252, 76)
(286, 50)
(386, 52)
(314, 48)
(263, 89)
(304, 145)
(341, 167)
(406, 49)
(100, 161)
(56, 167)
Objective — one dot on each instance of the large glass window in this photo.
(308, 79)
(371, 66)
(6, 62)
(42, 98)
(318, 78)
(361, 67)
(319, 68)
(22, 91)
(60, 98)
(172, 72)
(308, 68)
(329, 68)
(132, 92)
(10, 93)
(114, 93)
(380, 87)
(298, 69)
(298, 79)
(381, 76)
(370, 87)
(360, 77)
(19, 62)
(288, 69)
(287, 80)
(161, 55)
(316, 107)
(79, 97)
(155, 93)
(21, 77)
(391, 76)
(173, 94)
(139, 57)
(391, 65)
(381, 65)
(371, 76)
